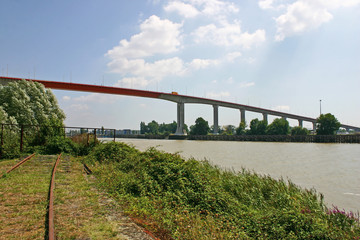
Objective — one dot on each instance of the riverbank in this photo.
(191, 199)
(254, 138)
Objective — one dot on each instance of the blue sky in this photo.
(278, 54)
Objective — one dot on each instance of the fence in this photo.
(15, 139)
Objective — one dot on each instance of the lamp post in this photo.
(320, 107)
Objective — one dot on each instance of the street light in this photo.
(320, 107)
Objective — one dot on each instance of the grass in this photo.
(81, 212)
(178, 199)
(23, 197)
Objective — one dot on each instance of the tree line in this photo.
(326, 124)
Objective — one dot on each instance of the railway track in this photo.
(50, 231)
(32, 208)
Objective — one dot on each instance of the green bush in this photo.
(189, 199)
(57, 144)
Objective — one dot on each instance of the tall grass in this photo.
(190, 199)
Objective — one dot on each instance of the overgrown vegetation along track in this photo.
(80, 211)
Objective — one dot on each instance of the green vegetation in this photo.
(299, 131)
(26, 104)
(279, 126)
(189, 199)
(162, 129)
(327, 124)
(80, 210)
(201, 127)
(257, 127)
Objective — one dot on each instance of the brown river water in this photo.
(332, 169)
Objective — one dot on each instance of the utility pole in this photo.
(320, 107)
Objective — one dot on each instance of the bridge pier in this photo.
(180, 119)
(314, 126)
(242, 115)
(216, 119)
(265, 117)
(300, 123)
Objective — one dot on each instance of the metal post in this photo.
(21, 137)
(114, 134)
(2, 135)
(2, 139)
(94, 135)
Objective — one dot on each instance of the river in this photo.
(332, 169)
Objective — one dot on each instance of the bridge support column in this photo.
(265, 117)
(242, 115)
(180, 119)
(216, 119)
(300, 123)
(314, 126)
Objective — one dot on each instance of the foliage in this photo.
(257, 127)
(299, 131)
(327, 124)
(201, 127)
(155, 128)
(229, 130)
(57, 144)
(279, 126)
(29, 103)
(180, 199)
(241, 130)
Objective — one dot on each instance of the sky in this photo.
(284, 55)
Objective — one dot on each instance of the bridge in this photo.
(180, 100)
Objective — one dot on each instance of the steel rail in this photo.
(19, 163)
(51, 230)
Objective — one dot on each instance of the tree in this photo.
(201, 127)
(143, 128)
(257, 127)
(299, 131)
(279, 126)
(241, 130)
(153, 127)
(29, 103)
(327, 124)
(168, 128)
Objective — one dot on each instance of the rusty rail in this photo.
(51, 231)
(19, 163)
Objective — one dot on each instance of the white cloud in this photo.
(271, 4)
(266, 4)
(98, 98)
(300, 17)
(228, 35)
(304, 15)
(66, 98)
(217, 95)
(157, 36)
(230, 57)
(203, 63)
(140, 68)
(215, 7)
(246, 84)
(183, 9)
